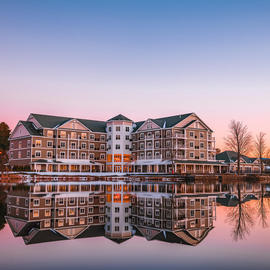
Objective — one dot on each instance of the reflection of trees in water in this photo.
(240, 217)
(262, 208)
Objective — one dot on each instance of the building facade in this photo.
(179, 144)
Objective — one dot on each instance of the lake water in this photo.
(149, 225)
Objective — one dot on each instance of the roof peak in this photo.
(119, 117)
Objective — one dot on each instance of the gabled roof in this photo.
(51, 121)
(30, 128)
(120, 117)
(231, 156)
(165, 122)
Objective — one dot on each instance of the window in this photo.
(47, 212)
(126, 219)
(90, 210)
(126, 228)
(126, 209)
(20, 144)
(71, 201)
(73, 145)
(127, 129)
(92, 136)
(102, 146)
(91, 146)
(116, 228)
(28, 143)
(202, 213)
(63, 134)
(192, 202)
(127, 147)
(62, 155)
(192, 213)
(82, 221)
(101, 209)
(49, 154)
(191, 134)
(90, 219)
(49, 133)
(191, 144)
(72, 155)
(12, 145)
(117, 137)
(191, 155)
(116, 209)
(36, 213)
(82, 211)
(82, 200)
(117, 128)
(91, 200)
(83, 155)
(19, 154)
(73, 135)
(141, 136)
(201, 145)
(202, 155)
(71, 211)
(28, 154)
(62, 144)
(48, 202)
(47, 223)
(49, 143)
(61, 201)
(83, 145)
(201, 135)
(36, 202)
(127, 137)
(84, 136)
(102, 156)
(61, 212)
(60, 223)
(38, 143)
(117, 146)
(101, 219)
(116, 219)
(91, 156)
(157, 144)
(102, 137)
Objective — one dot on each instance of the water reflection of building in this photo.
(175, 216)
(58, 211)
(172, 212)
(118, 226)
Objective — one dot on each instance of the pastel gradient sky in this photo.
(144, 59)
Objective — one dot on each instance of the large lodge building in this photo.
(180, 143)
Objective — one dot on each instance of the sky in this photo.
(144, 59)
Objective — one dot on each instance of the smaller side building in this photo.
(247, 164)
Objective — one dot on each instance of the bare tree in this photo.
(262, 209)
(240, 217)
(260, 147)
(239, 140)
